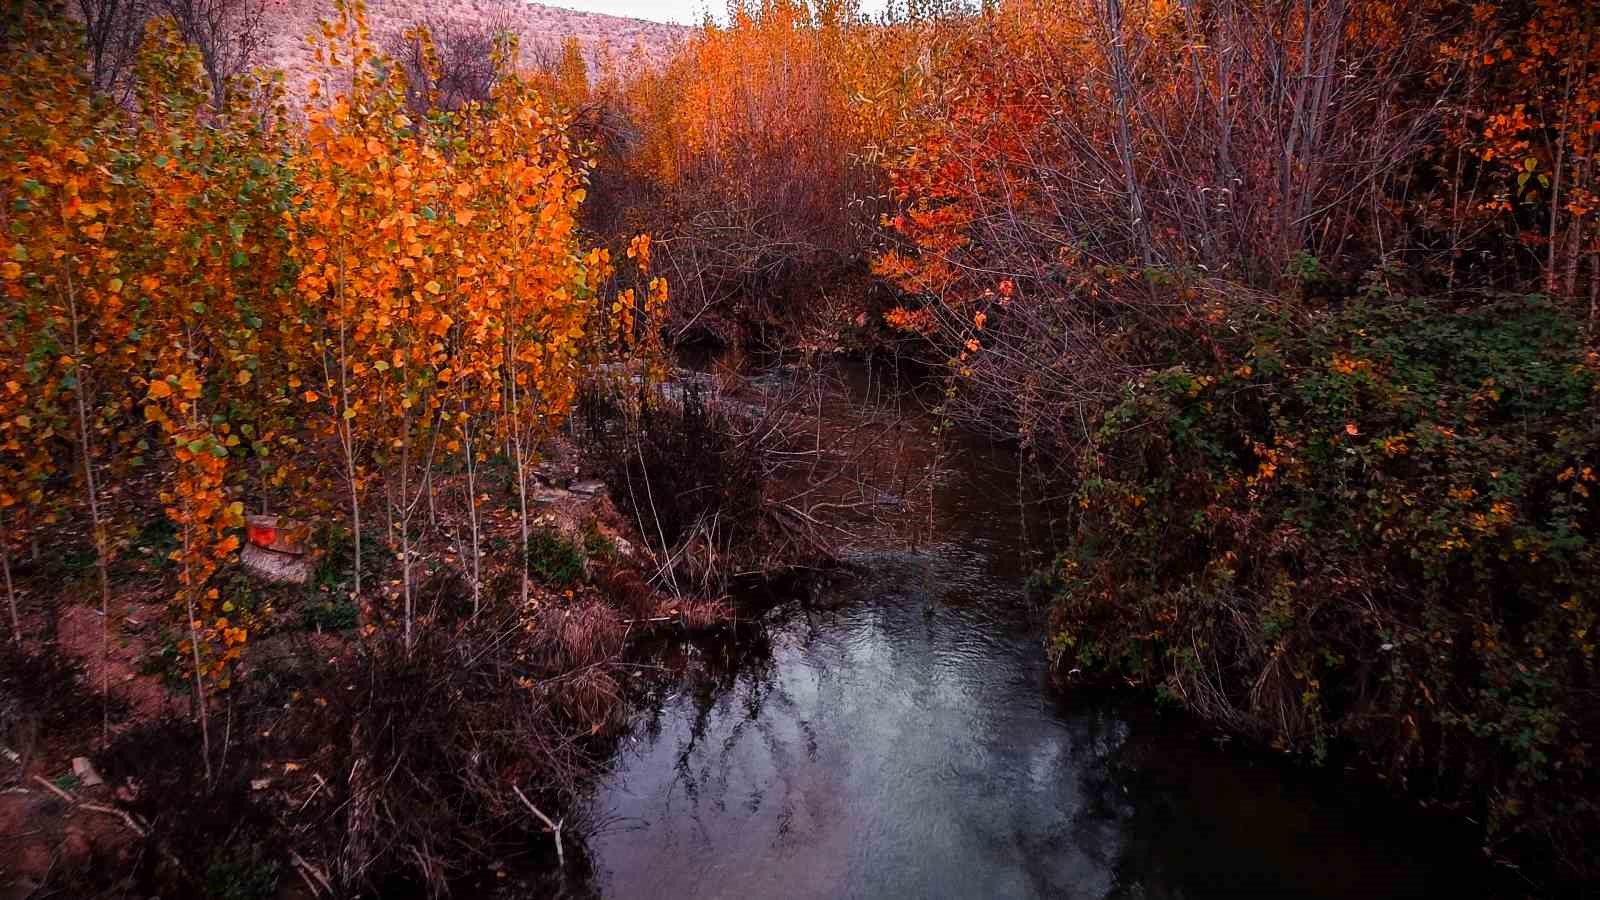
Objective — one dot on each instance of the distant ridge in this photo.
(288, 22)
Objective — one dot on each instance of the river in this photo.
(897, 734)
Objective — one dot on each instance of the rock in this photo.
(550, 473)
(544, 496)
(589, 487)
(277, 533)
(84, 769)
(277, 568)
(260, 784)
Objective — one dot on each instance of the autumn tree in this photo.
(530, 180)
(1058, 149)
(214, 265)
(228, 34)
(112, 30)
(749, 174)
(1517, 150)
(65, 272)
(448, 63)
(441, 269)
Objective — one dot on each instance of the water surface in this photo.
(897, 735)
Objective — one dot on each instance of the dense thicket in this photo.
(1374, 528)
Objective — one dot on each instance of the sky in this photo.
(683, 12)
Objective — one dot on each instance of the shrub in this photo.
(692, 477)
(1378, 525)
(211, 839)
(553, 559)
(43, 697)
(328, 767)
(326, 613)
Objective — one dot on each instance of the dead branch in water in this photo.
(554, 826)
(734, 475)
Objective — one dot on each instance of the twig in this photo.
(312, 886)
(122, 814)
(321, 782)
(308, 872)
(555, 827)
(55, 790)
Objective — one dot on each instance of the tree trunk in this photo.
(472, 510)
(518, 460)
(346, 435)
(405, 525)
(1121, 85)
(194, 647)
(91, 489)
(11, 589)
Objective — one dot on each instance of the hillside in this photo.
(288, 22)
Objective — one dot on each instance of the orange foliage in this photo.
(362, 295)
(1518, 153)
(747, 165)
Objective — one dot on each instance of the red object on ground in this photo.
(279, 534)
(262, 534)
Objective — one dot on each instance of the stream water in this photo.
(897, 735)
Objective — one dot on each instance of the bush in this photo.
(205, 839)
(696, 480)
(43, 696)
(326, 613)
(553, 559)
(327, 761)
(1376, 526)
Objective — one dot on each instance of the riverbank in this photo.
(345, 752)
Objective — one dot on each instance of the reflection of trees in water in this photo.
(738, 701)
(1176, 816)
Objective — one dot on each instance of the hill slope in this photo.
(288, 22)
